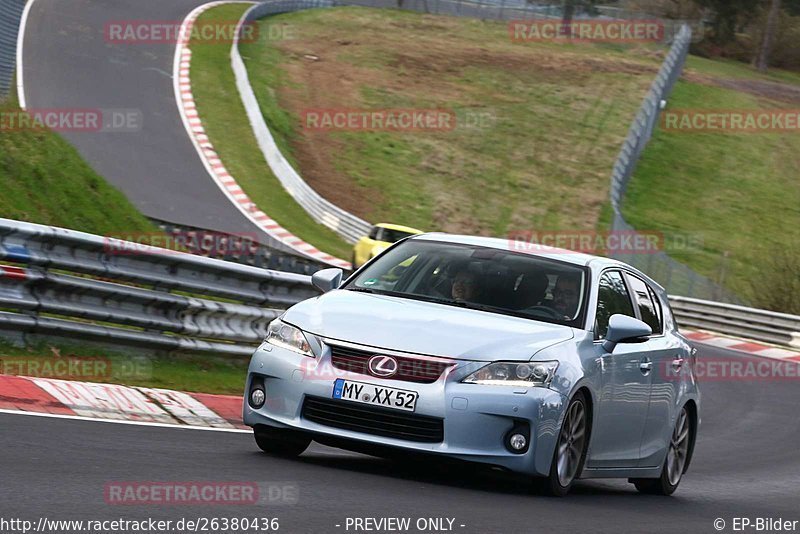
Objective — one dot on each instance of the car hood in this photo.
(423, 327)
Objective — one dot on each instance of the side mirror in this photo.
(624, 329)
(327, 279)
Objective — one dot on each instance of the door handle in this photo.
(645, 366)
(677, 363)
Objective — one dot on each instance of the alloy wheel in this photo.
(570, 443)
(678, 449)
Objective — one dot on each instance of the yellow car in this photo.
(380, 237)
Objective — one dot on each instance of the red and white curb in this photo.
(741, 345)
(119, 403)
(210, 158)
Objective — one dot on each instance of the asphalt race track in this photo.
(745, 465)
(69, 63)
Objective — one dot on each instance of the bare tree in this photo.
(761, 61)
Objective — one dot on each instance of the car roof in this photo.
(560, 254)
(399, 227)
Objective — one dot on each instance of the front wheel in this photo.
(571, 448)
(674, 463)
(280, 442)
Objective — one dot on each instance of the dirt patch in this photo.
(433, 65)
(779, 92)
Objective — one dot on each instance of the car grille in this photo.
(409, 369)
(373, 420)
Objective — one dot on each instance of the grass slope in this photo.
(44, 180)
(739, 193)
(554, 118)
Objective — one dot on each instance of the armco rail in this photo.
(255, 255)
(89, 287)
(80, 285)
(737, 321)
(347, 225)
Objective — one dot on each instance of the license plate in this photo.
(398, 399)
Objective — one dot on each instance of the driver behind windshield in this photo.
(465, 285)
(566, 295)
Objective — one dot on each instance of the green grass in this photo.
(739, 193)
(557, 116)
(201, 374)
(44, 180)
(225, 122)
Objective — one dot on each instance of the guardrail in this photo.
(737, 321)
(10, 16)
(255, 255)
(80, 285)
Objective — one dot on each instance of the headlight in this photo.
(527, 374)
(288, 337)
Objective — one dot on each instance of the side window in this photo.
(373, 234)
(613, 298)
(649, 310)
(659, 309)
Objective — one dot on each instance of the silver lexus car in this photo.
(546, 362)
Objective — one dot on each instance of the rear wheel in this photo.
(674, 463)
(280, 442)
(571, 448)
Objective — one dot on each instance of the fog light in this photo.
(257, 398)
(517, 442)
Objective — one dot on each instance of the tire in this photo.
(280, 442)
(571, 446)
(675, 461)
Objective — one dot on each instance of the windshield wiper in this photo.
(361, 289)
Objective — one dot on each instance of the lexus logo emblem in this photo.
(383, 366)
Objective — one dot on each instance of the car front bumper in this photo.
(477, 419)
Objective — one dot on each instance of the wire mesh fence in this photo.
(10, 16)
(676, 277)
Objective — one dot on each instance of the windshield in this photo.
(488, 279)
(393, 236)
